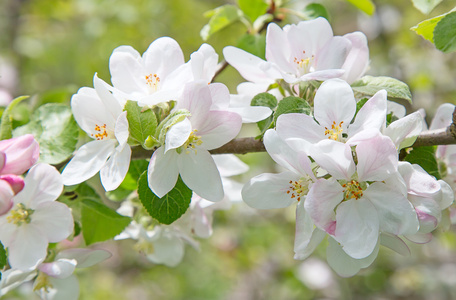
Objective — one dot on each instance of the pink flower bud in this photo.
(21, 153)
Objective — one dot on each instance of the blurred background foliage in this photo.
(50, 48)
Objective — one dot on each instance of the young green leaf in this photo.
(425, 6)
(264, 99)
(100, 223)
(366, 6)
(3, 260)
(426, 28)
(292, 105)
(170, 207)
(254, 44)
(359, 105)
(315, 10)
(6, 126)
(253, 8)
(445, 33)
(55, 129)
(220, 18)
(141, 123)
(425, 157)
(369, 85)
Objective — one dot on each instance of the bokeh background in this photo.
(51, 48)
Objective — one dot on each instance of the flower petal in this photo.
(371, 116)
(28, 249)
(404, 131)
(162, 172)
(114, 171)
(357, 60)
(229, 165)
(333, 54)
(85, 257)
(218, 128)
(334, 157)
(61, 268)
(307, 238)
(178, 134)
(21, 153)
(54, 220)
(394, 243)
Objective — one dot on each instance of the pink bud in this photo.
(16, 182)
(6, 195)
(21, 153)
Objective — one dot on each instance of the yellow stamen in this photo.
(20, 215)
(353, 190)
(152, 81)
(335, 132)
(193, 141)
(299, 188)
(101, 132)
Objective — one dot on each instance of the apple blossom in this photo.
(99, 114)
(36, 219)
(18, 154)
(187, 143)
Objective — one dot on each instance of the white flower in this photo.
(99, 114)
(36, 219)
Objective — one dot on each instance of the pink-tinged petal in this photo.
(54, 220)
(307, 238)
(299, 131)
(162, 172)
(443, 116)
(196, 98)
(88, 160)
(121, 130)
(114, 171)
(357, 227)
(377, 158)
(396, 214)
(334, 103)
(334, 157)
(267, 191)
(250, 66)
(318, 31)
(333, 54)
(85, 257)
(428, 212)
(446, 197)
(394, 243)
(21, 153)
(28, 249)
(43, 183)
(277, 49)
(61, 268)
(217, 128)
(6, 195)
(206, 181)
(89, 111)
(404, 131)
(220, 95)
(229, 165)
(127, 71)
(345, 265)
(2, 159)
(357, 60)
(111, 104)
(322, 199)
(163, 56)
(282, 154)
(178, 134)
(418, 181)
(16, 182)
(420, 238)
(204, 63)
(371, 116)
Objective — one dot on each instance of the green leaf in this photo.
(141, 123)
(369, 85)
(100, 223)
(6, 126)
(359, 105)
(55, 129)
(264, 99)
(315, 10)
(170, 207)
(366, 6)
(425, 157)
(3, 259)
(426, 28)
(173, 118)
(445, 33)
(220, 18)
(425, 6)
(254, 44)
(253, 8)
(292, 105)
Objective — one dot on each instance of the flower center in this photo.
(42, 282)
(100, 132)
(193, 141)
(335, 132)
(20, 215)
(298, 189)
(144, 246)
(152, 81)
(353, 189)
(304, 64)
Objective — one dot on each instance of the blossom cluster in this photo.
(340, 151)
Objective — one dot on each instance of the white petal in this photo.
(168, 250)
(12, 278)
(200, 174)
(357, 227)
(443, 116)
(29, 248)
(419, 238)
(447, 195)
(251, 114)
(54, 220)
(62, 289)
(267, 191)
(88, 160)
(394, 243)
(127, 71)
(43, 183)
(371, 116)
(178, 134)
(230, 165)
(220, 95)
(306, 237)
(204, 63)
(121, 130)
(334, 102)
(218, 128)
(334, 157)
(404, 131)
(277, 48)
(163, 56)
(162, 172)
(333, 54)
(111, 104)
(85, 257)
(61, 268)
(114, 171)
(357, 60)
